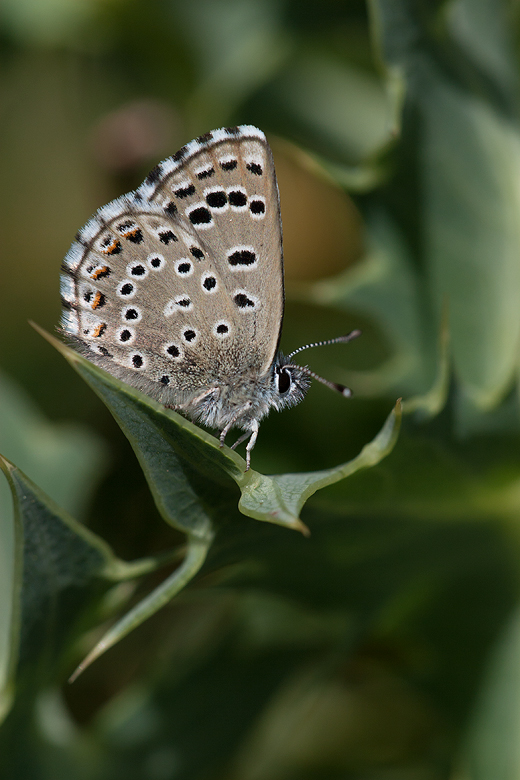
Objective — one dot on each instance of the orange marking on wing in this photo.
(129, 233)
(98, 300)
(100, 272)
(115, 246)
(99, 330)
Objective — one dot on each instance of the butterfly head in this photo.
(292, 381)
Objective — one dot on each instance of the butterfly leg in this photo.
(253, 434)
(240, 440)
(251, 443)
(224, 432)
(195, 401)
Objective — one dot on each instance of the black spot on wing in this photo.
(257, 207)
(205, 174)
(242, 257)
(185, 192)
(237, 198)
(243, 302)
(167, 236)
(228, 165)
(254, 168)
(200, 216)
(217, 199)
(170, 208)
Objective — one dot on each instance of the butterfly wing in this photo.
(167, 287)
(224, 185)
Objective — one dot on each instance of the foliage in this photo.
(328, 621)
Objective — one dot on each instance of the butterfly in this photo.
(177, 288)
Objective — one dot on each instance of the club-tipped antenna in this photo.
(338, 340)
(345, 391)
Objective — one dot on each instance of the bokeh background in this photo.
(386, 646)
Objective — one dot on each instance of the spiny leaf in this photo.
(187, 470)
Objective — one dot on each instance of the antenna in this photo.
(338, 340)
(345, 391)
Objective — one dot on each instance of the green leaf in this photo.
(66, 461)
(184, 466)
(472, 169)
(54, 559)
(385, 287)
(60, 571)
(469, 157)
(190, 475)
(492, 748)
(289, 492)
(196, 552)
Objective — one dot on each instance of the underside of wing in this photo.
(142, 299)
(178, 287)
(224, 186)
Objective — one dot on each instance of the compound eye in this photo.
(284, 381)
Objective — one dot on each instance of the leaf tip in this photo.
(75, 674)
(56, 343)
(303, 528)
(5, 464)
(98, 650)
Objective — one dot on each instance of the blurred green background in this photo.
(386, 646)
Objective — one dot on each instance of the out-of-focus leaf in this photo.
(472, 229)
(66, 461)
(52, 560)
(46, 22)
(484, 29)
(384, 285)
(432, 402)
(238, 44)
(469, 152)
(63, 459)
(318, 93)
(492, 749)
(60, 573)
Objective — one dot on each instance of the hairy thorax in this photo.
(237, 400)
